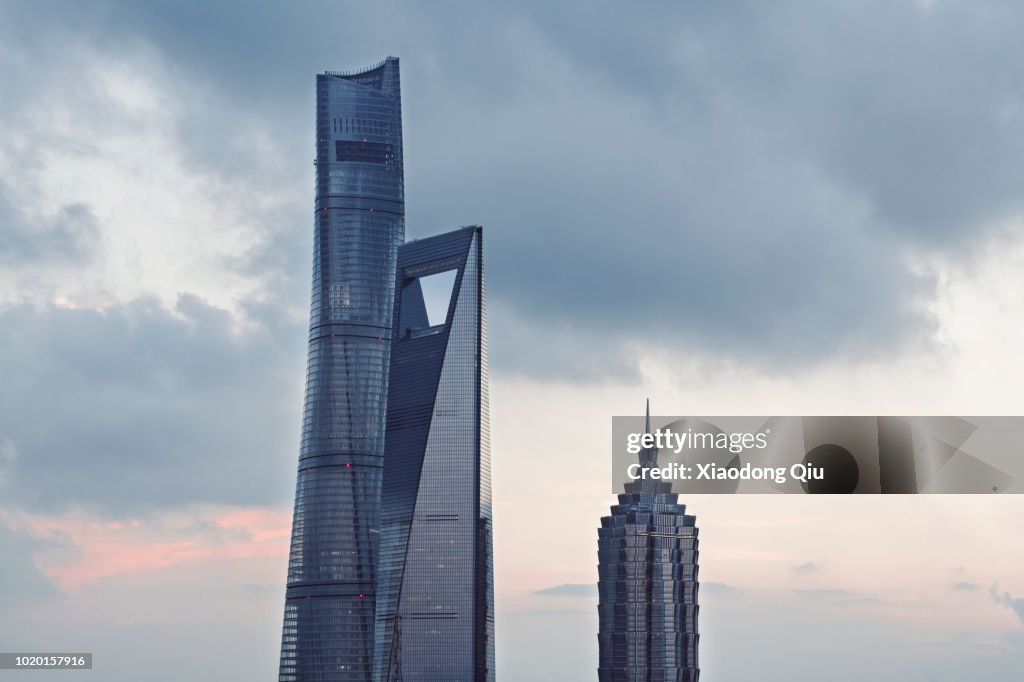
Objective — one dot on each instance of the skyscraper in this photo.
(647, 584)
(435, 603)
(359, 223)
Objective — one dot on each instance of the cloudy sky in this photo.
(791, 208)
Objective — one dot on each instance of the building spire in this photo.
(648, 459)
(649, 456)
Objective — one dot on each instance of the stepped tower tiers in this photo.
(647, 584)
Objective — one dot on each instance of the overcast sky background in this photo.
(791, 208)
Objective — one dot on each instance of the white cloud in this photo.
(104, 131)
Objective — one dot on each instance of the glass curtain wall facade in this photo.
(359, 223)
(435, 604)
(647, 584)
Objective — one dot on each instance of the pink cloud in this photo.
(92, 550)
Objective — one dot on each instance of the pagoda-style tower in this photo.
(647, 584)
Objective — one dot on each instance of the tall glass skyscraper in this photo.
(359, 223)
(435, 603)
(647, 584)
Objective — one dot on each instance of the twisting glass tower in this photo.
(647, 584)
(359, 224)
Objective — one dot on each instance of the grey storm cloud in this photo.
(722, 589)
(806, 568)
(665, 178)
(138, 407)
(72, 235)
(836, 596)
(1016, 604)
(747, 178)
(1001, 665)
(587, 590)
(22, 582)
